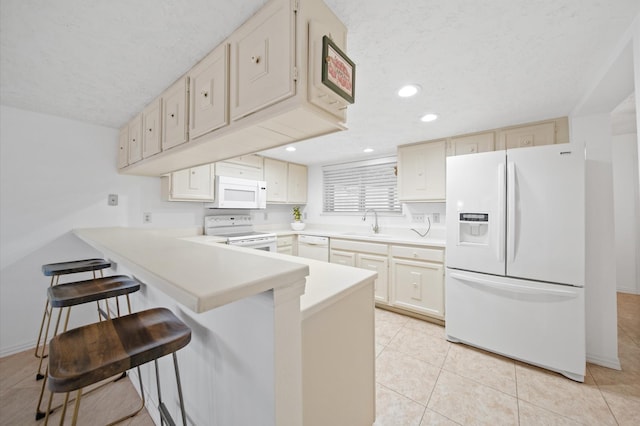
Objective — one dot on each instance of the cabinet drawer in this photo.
(285, 241)
(359, 246)
(418, 253)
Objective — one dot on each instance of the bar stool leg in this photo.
(175, 365)
(44, 317)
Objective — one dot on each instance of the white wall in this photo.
(55, 175)
(625, 194)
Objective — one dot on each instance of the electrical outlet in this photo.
(146, 217)
(112, 200)
(418, 218)
(436, 218)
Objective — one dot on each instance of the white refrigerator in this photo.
(515, 255)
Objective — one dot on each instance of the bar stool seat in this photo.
(75, 293)
(89, 354)
(79, 292)
(74, 266)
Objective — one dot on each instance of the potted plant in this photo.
(297, 224)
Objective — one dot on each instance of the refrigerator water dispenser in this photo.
(474, 228)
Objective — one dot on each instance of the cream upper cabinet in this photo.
(174, 110)
(262, 59)
(193, 184)
(152, 129)
(208, 109)
(421, 172)
(123, 147)
(275, 174)
(525, 136)
(286, 182)
(472, 144)
(135, 139)
(244, 167)
(296, 183)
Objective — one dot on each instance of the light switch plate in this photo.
(112, 200)
(418, 218)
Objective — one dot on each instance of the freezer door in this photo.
(539, 323)
(476, 212)
(545, 214)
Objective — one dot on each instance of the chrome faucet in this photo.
(375, 226)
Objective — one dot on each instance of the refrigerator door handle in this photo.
(511, 211)
(501, 212)
(514, 289)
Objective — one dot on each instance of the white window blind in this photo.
(358, 186)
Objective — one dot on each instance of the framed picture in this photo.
(338, 71)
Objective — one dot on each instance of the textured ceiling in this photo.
(481, 64)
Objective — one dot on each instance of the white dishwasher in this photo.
(313, 247)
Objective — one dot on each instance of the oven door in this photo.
(258, 243)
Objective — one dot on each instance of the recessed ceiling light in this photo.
(408, 90)
(429, 117)
(290, 148)
(367, 150)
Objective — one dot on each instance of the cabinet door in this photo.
(152, 129)
(520, 137)
(285, 250)
(194, 184)
(174, 120)
(342, 258)
(379, 264)
(250, 160)
(262, 59)
(297, 183)
(275, 174)
(421, 172)
(419, 286)
(472, 144)
(209, 95)
(135, 139)
(123, 147)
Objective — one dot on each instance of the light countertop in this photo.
(202, 274)
(387, 237)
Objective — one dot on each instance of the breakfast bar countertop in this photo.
(201, 277)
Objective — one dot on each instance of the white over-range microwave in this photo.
(236, 193)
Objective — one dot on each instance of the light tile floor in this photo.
(424, 380)
(421, 380)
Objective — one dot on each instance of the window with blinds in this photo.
(356, 187)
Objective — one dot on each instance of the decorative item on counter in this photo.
(297, 224)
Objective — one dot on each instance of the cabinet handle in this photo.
(172, 115)
(255, 59)
(151, 130)
(204, 94)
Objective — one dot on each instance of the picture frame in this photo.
(338, 71)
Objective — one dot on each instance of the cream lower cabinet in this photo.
(370, 256)
(193, 184)
(286, 244)
(418, 280)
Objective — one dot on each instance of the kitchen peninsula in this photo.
(276, 340)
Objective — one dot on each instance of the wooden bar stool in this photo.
(89, 354)
(71, 294)
(55, 270)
